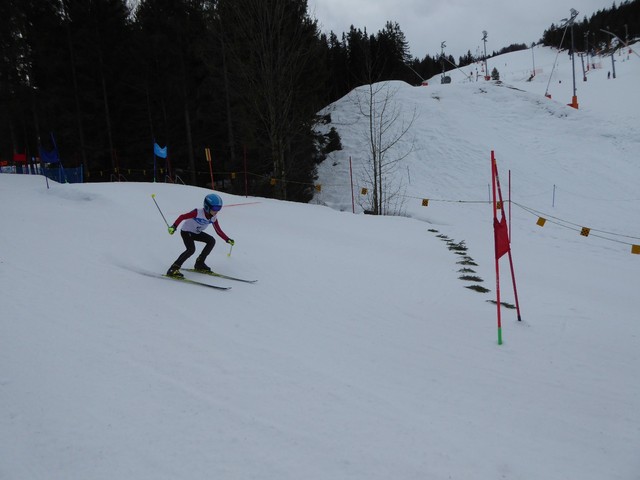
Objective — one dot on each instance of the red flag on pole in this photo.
(501, 238)
(501, 234)
(500, 229)
(20, 157)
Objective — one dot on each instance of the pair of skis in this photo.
(212, 274)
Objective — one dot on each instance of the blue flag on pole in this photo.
(49, 157)
(158, 151)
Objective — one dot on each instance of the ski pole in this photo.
(230, 248)
(153, 196)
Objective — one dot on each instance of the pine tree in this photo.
(274, 48)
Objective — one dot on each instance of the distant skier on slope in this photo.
(195, 222)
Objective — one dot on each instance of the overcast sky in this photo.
(458, 23)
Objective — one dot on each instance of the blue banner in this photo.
(49, 157)
(159, 152)
(65, 175)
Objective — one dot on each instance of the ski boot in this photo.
(201, 266)
(174, 271)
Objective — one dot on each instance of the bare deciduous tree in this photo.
(387, 135)
(271, 44)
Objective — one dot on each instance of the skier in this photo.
(195, 222)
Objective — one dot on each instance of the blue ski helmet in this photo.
(212, 203)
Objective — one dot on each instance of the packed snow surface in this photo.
(359, 353)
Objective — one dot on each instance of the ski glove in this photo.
(231, 242)
(172, 230)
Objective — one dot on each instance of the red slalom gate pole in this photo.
(207, 153)
(513, 276)
(497, 257)
(502, 241)
(509, 202)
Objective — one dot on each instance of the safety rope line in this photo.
(566, 223)
(594, 232)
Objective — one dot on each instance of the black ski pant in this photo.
(189, 239)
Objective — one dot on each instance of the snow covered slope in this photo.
(359, 353)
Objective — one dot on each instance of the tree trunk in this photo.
(187, 124)
(83, 150)
(105, 99)
(225, 74)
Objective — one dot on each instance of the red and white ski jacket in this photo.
(196, 222)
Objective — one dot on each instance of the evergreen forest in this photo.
(102, 82)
